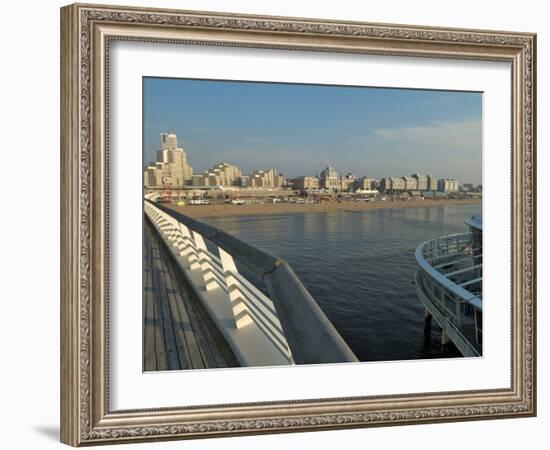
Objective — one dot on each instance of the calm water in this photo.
(360, 268)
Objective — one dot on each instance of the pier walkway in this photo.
(178, 332)
(201, 312)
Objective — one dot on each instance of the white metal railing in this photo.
(454, 332)
(432, 255)
(219, 275)
(288, 321)
(455, 308)
(445, 246)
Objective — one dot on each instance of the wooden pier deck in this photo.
(178, 333)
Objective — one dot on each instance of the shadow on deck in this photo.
(178, 333)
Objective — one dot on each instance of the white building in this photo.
(330, 179)
(348, 181)
(171, 167)
(168, 141)
(411, 183)
(421, 181)
(397, 184)
(245, 181)
(199, 180)
(222, 174)
(305, 183)
(447, 185)
(365, 183)
(432, 183)
(265, 179)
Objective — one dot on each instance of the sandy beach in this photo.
(198, 211)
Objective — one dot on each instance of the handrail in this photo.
(257, 261)
(232, 311)
(311, 337)
(452, 330)
(439, 277)
(444, 298)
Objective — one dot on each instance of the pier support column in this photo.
(427, 322)
(444, 337)
(427, 316)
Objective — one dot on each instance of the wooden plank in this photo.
(184, 334)
(169, 337)
(204, 329)
(198, 328)
(209, 329)
(193, 343)
(197, 339)
(219, 347)
(149, 355)
(228, 358)
(179, 324)
(162, 363)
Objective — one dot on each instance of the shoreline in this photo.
(266, 209)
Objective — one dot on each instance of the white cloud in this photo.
(443, 148)
(464, 136)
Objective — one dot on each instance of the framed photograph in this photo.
(276, 224)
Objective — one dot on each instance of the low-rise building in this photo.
(348, 181)
(266, 179)
(221, 175)
(306, 183)
(245, 181)
(224, 174)
(152, 176)
(365, 183)
(199, 180)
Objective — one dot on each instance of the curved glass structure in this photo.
(449, 283)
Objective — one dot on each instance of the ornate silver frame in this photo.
(86, 31)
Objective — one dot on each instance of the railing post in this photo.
(173, 230)
(187, 248)
(205, 263)
(458, 312)
(236, 296)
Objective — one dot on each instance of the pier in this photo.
(449, 283)
(201, 312)
(178, 332)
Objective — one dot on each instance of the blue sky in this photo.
(299, 129)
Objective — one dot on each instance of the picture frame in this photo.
(87, 32)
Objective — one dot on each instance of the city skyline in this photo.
(171, 169)
(300, 129)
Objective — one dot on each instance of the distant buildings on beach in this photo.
(171, 169)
